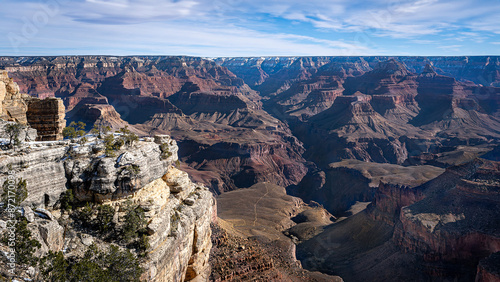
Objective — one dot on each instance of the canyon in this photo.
(357, 167)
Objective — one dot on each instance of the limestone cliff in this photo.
(12, 106)
(46, 116)
(178, 212)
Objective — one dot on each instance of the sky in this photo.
(235, 28)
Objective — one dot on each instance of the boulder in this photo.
(52, 234)
(29, 214)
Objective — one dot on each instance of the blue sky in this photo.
(249, 28)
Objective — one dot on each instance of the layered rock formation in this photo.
(479, 69)
(46, 116)
(13, 105)
(427, 104)
(403, 116)
(392, 105)
(438, 230)
(456, 221)
(399, 110)
(177, 211)
(204, 106)
(248, 240)
(345, 183)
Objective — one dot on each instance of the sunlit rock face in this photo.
(45, 116)
(178, 212)
(201, 104)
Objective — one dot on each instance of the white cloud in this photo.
(244, 28)
(454, 48)
(132, 11)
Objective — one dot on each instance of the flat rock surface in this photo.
(261, 210)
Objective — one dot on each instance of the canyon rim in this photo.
(249, 141)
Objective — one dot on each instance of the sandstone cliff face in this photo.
(13, 105)
(46, 116)
(198, 102)
(178, 212)
(434, 94)
(457, 221)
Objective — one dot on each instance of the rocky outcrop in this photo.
(43, 170)
(13, 106)
(457, 219)
(46, 116)
(100, 179)
(198, 102)
(26, 134)
(100, 115)
(178, 212)
(390, 198)
(52, 168)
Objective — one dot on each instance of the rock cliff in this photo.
(488, 269)
(456, 219)
(199, 103)
(13, 105)
(441, 230)
(178, 212)
(344, 184)
(46, 116)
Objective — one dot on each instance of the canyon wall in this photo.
(178, 212)
(201, 104)
(479, 69)
(381, 109)
(444, 229)
(456, 221)
(450, 219)
(46, 116)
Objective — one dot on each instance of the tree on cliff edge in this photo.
(74, 130)
(13, 130)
